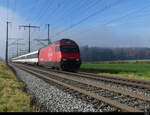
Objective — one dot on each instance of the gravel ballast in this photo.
(51, 97)
(114, 86)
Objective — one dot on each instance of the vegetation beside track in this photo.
(135, 71)
(144, 61)
(12, 95)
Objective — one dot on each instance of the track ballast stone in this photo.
(52, 98)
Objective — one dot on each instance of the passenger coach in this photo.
(31, 58)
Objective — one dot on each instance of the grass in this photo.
(135, 71)
(12, 95)
(144, 61)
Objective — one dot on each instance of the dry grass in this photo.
(12, 95)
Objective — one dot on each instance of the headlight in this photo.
(64, 59)
(77, 59)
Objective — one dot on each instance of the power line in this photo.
(7, 9)
(14, 8)
(52, 11)
(17, 44)
(70, 10)
(28, 26)
(48, 38)
(33, 9)
(86, 18)
(59, 5)
(40, 41)
(123, 16)
(45, 11)
(87, 8)
(128, 14)
(41, 15)
(65, 7)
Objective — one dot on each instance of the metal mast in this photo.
(29, 26)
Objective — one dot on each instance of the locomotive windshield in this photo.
(69, 49)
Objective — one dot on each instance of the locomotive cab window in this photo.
(69, 49)
(57, 48)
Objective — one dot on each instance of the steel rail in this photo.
(121, 81)
(108, 101)
(145, 98)
(118, 78)
(124, 81)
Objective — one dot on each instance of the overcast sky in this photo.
(103, 23)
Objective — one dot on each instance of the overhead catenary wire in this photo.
(48, 4)
(94, 3)
(81, 20)
(65, 9)
(86, 18)
(32, 9)
(42, 15)
(123, 16)
(127, 14)
(60, 6)
(83, 5)
(44, 11)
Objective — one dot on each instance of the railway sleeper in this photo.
(95, 102)
(118, 96)
(128, 101)
(96, 91)
(135, 104)
(105, 106)
(93, 89)
(144, 108)
(104, 94)
(99, 105)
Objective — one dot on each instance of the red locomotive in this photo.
(63, 54)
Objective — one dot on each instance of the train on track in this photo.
(63, 54)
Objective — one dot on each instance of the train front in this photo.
(70, 55)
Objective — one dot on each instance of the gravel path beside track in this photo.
(52, 98)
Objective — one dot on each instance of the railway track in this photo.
(134, 84)
(116, 80)
(118, 100)
(122, 81)
(141, 86)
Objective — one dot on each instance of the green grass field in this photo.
(144, 61)
(136, 71)
(12, 95)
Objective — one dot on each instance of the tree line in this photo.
(95, 54)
